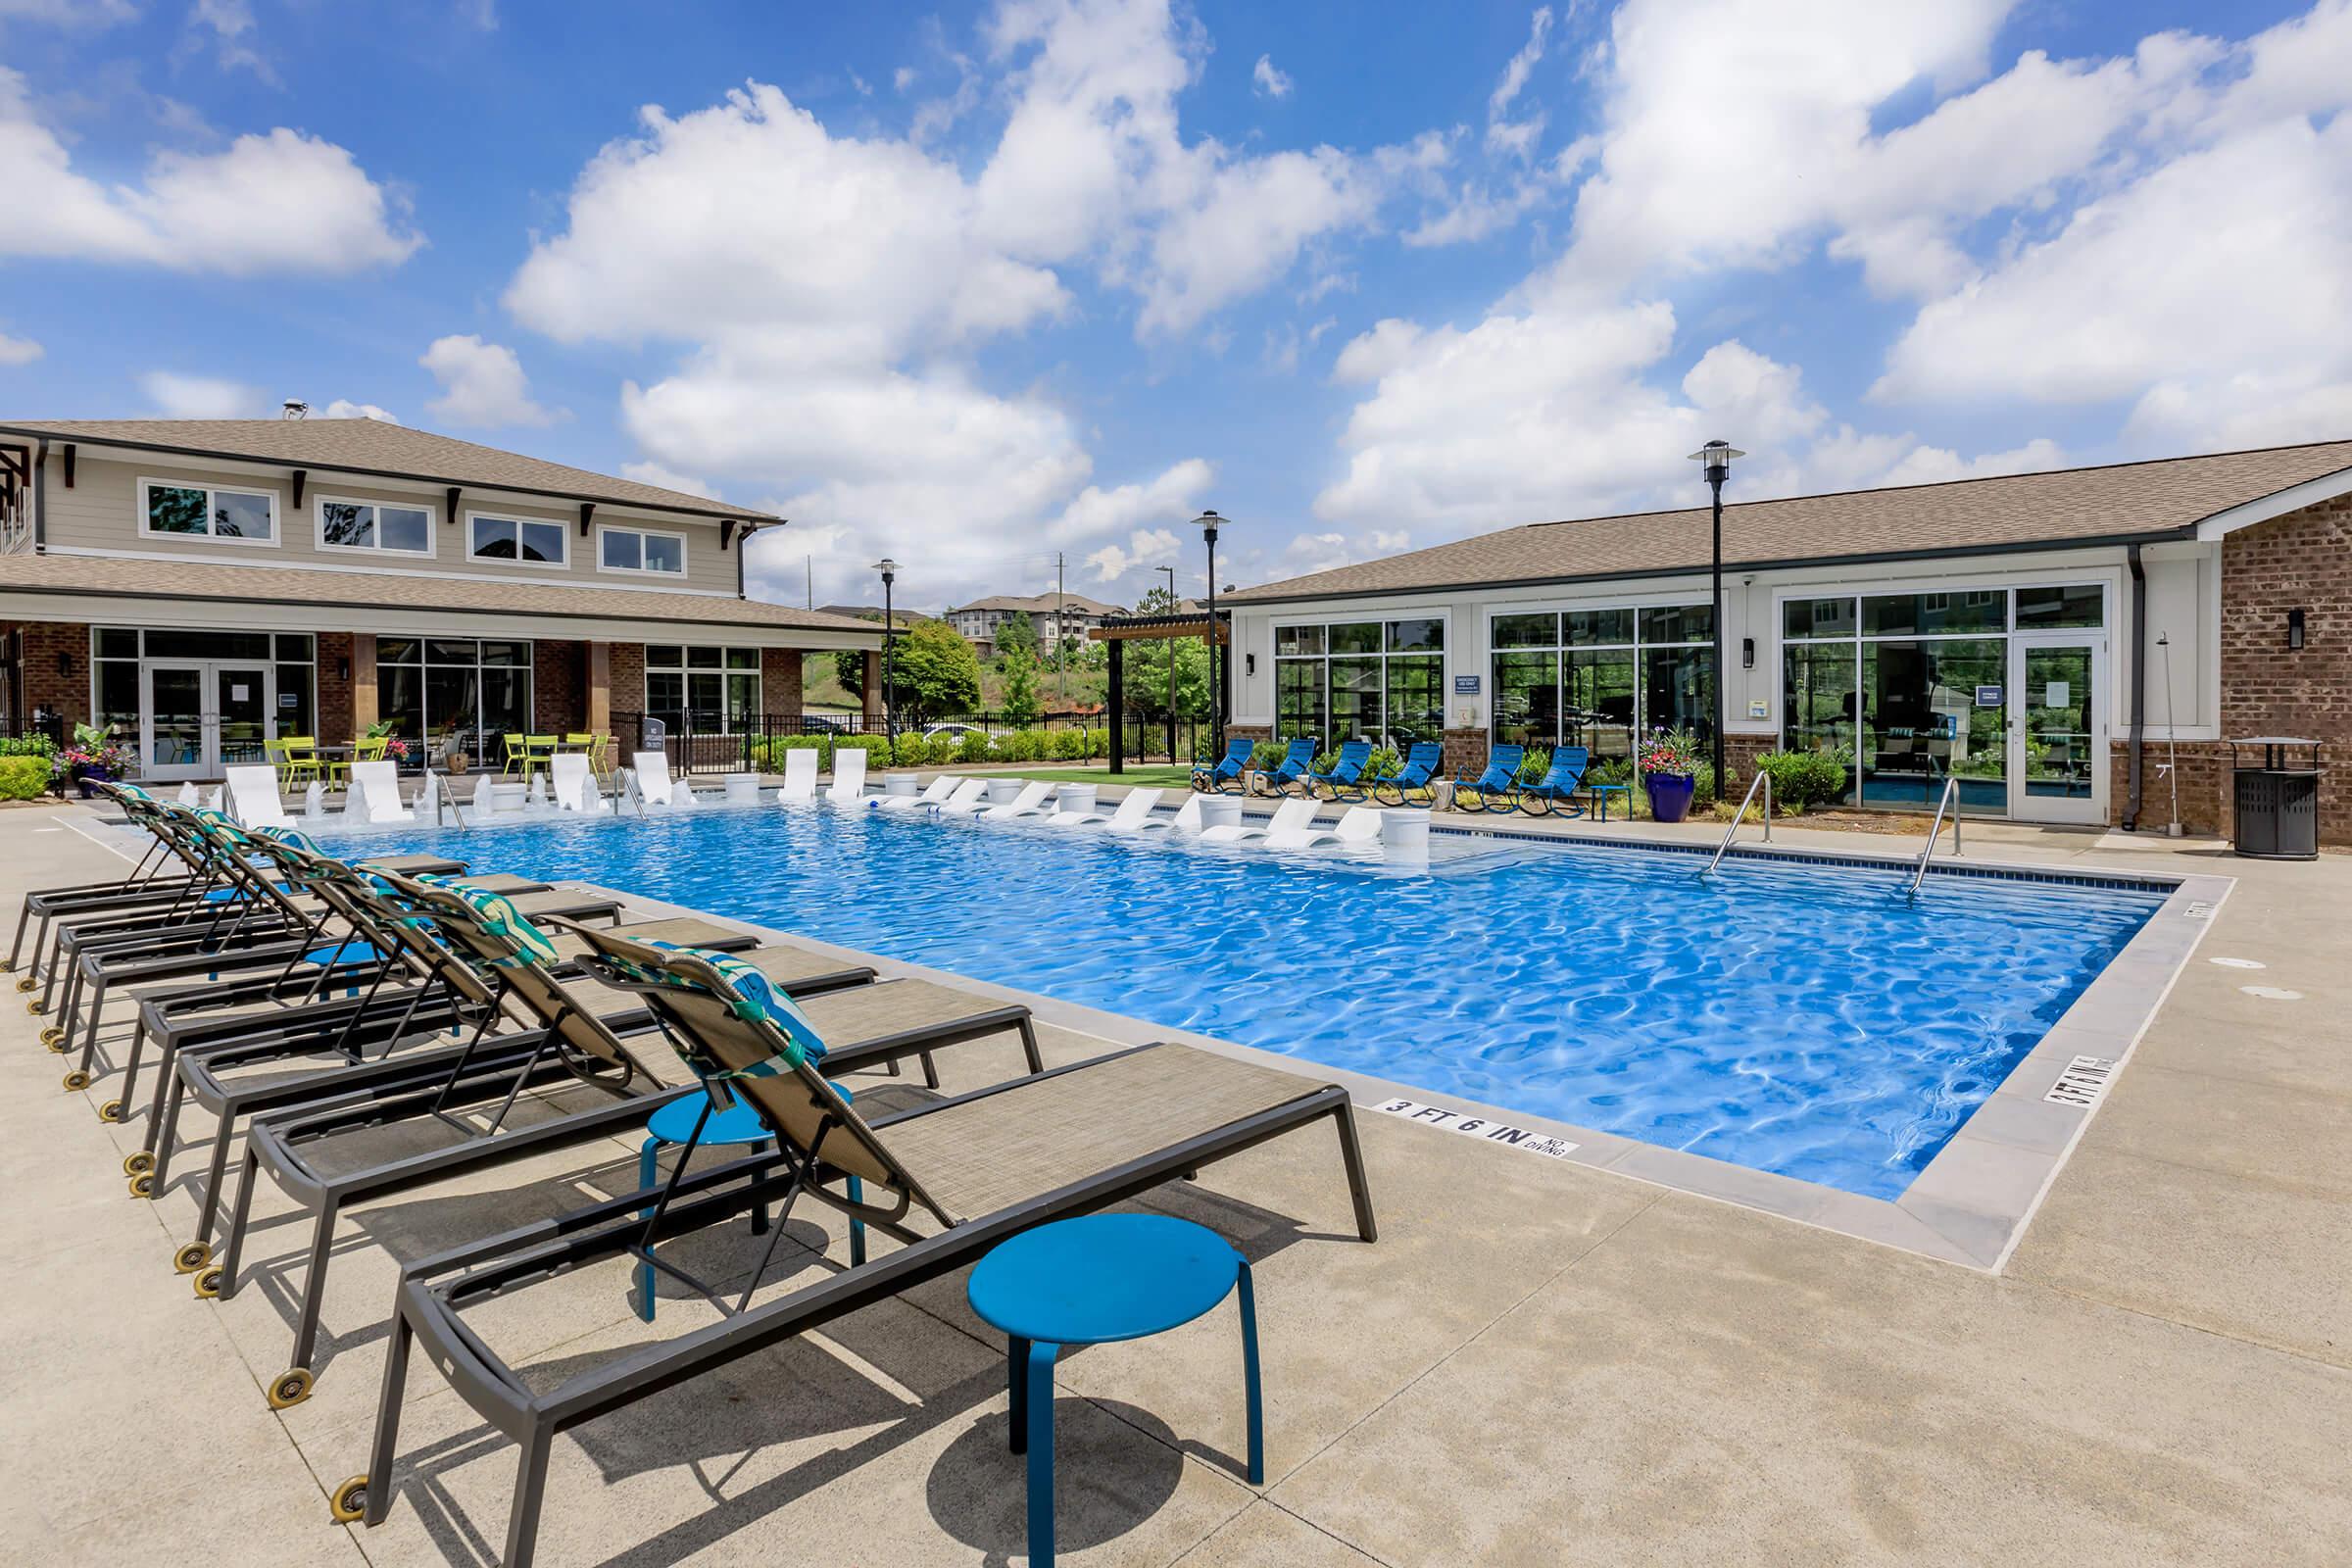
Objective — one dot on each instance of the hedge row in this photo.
(969, 749)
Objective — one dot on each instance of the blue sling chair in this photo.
(1419, 776)
(1212, 780)
(1497, 788)
(1346, 780)
(1295, 765)
(1559, 784)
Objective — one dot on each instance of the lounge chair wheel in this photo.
(207, 1285)
(348, 1503)
(292, 1387)
(191, 1257)
(25, 982)
(143, 1184)
(77, 1080)
(112, 1111)
(137, 1160)
(54, 1038)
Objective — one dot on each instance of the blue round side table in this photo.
(1089, 1281)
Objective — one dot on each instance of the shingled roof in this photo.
(375, 447)
(2069, 507)
(137, 577)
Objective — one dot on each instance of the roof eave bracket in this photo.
(452, 493)
(301, 477)
(587, 510)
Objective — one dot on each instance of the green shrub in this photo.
(875, 747)
(1324, 760)
(1067, 745)
(768, 756)
(29, 745)
(1268, 755)
(1535, 764)
(24, 778)
(1805, 778)
(972, 747)
(1097, 740)
(1386, 762)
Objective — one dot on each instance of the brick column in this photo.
(780, 681)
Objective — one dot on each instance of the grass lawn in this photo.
(1158, 775)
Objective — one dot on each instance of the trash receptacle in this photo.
(2277, 801)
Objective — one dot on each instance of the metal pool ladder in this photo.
(441, 797)
(1950, 798)
(1762, 781)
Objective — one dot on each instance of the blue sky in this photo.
(979, 284)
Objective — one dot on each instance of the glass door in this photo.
(172, 728)
(2058, 731)
(241, 710)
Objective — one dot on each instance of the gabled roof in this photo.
(133, 577)
(2120, 502)
(1033, 603)
(375, 447)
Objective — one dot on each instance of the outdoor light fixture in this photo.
(1748, 652)
(65, 662)
(342, 669)
(889, 569)
(1715, 467)
(1208, 523)
(1249, 664)
(2294, 630)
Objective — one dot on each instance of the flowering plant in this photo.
(105, 757)
(1669, 750)
(397, 749)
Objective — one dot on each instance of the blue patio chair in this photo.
(1497, 788)
(1419, 774)
(1346, 780)
(1557, 788)
(1293, 768)
(1212, 780)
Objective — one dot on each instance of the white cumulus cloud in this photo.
(1267, 79)
(345, 409)
(482, 384)
(18, 350)
(176, 395)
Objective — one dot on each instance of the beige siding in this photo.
(101, 512)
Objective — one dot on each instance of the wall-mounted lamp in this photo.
(1249, 664)
(65, 662)
(342, 669)
(1748, 652)
(2294, 630)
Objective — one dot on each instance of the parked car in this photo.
(957, 731)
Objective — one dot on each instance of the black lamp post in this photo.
(889, 569)
(1208, 523)
(1715, 461)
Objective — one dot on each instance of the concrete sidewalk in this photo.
(1537, 1362)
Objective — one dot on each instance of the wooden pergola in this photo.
(1119, 631)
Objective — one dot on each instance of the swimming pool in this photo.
(1794, 1018)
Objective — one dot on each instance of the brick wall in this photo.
(334, 716)
(780, 680)
(559, 686)
(628, 677)
(45, 642)
(1465, 752)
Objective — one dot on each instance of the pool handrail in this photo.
(1762, 781)
(1949, 798)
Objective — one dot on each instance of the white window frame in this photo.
(278, 526)
(563, 530)
(686, 669)
(432, 528)
(685, 562)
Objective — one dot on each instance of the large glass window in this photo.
(1912, 687)
(1376, 680)
(636, 550)
(116, 653)
(203, 512)
(381, 528)
(523, 540)
(454, 690)
(1607, 676)
(705, 689)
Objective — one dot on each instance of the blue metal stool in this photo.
(1601, 794)
(1091, 1280)
(736, 1125)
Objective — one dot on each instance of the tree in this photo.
(1146, 678)
(1020, 703)
(1018, 634)
(935, 671)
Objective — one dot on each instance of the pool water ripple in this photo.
(1807, 1020)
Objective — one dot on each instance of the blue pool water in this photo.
(1793, 1017)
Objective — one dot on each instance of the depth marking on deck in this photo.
(2083, 1081)
(1495, 1132)
(2199, 910)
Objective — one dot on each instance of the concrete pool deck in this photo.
(1538, 1361)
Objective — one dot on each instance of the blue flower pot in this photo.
(1669, 795)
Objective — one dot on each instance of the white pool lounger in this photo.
(849, 776)
(253, 798)
(1360, 828)
(970, 796)
(652, 777)
(1031, 801)
(1292, 818)
(374, 792)
(800, 776)
(1134, 812)
(573, 782)
(942, 790)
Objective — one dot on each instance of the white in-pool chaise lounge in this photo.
(652, 777)
(253, 798)
(1031, 801)
(1292, 816)
(970, 798)
(849, 776)
(1360, 828)
(573, 784)
(942, 789)
(375, 794)
(800, 776)
(1134, 812)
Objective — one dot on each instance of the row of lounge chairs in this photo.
(1413, 784)
(309, 1005)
